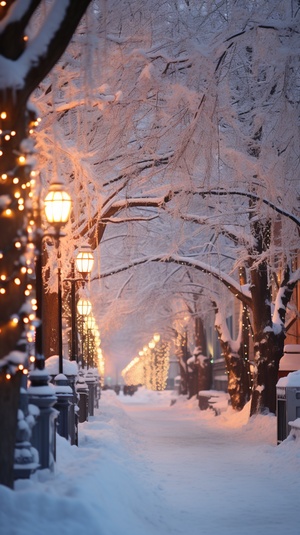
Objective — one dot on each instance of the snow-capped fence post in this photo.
(64, 395)
(97, 388)
(42, 394)
(83, 393)
(90, 381)
(288, 403)
(73, 409)
(26, 456)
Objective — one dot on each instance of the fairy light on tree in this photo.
(151, 367)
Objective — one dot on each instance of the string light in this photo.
(150, 368)
(23, 242)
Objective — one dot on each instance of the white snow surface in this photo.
(144, 467)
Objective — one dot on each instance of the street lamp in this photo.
(57, 211)
(57, 206)
(90, 324)
(84, 308)
(84, 263)
(84, 260)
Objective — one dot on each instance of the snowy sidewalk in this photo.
(145, 468)
(217, 477)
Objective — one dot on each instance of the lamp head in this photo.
(84, 307)
(84, 260)
(57, 205)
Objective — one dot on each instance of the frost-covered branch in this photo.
(242, 293)
(96, 226)
(253, 197)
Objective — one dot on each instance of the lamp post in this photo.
(90, 323)
(84, 308)
(57, 211)
(84, 264)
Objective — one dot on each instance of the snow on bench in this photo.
(216, 400)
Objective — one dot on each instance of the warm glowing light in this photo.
(8, 376)
(22, 160)
(32, 358)
(84, 260)
(3, 115)
(57, 205)
(84, 307)
(17, 281)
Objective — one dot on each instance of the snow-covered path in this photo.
(216, 480)
(144, 467)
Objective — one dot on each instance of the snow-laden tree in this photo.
(26, 57)
(199, 100)
(236, 159)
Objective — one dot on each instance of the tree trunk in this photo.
(9, 402)
(238, 389)
(268, 352)
(268, 346)
(181, 353)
